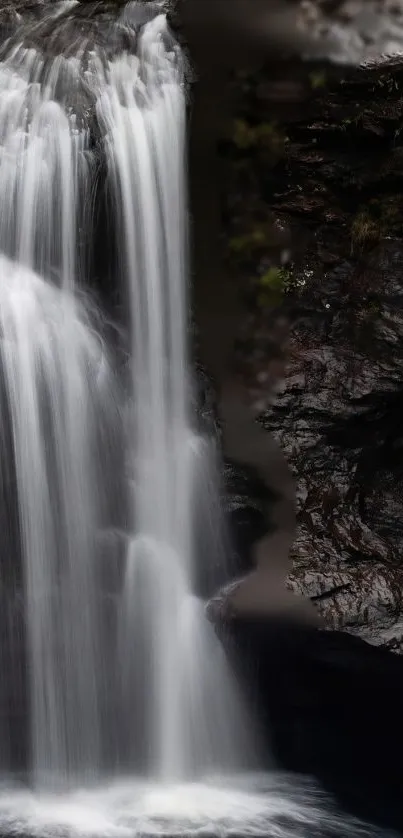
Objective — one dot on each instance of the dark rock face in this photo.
(235, 517)
(330, 706)
(338, 413)
(338, 419)
(335, 185)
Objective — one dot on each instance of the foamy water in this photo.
(265, 806)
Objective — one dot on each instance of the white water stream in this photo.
(166, 678)
(191, 714)
(56, 394)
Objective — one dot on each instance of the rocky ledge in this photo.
(332, 175)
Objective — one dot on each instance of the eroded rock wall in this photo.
(332, 176)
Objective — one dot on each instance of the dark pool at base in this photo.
(330, 707)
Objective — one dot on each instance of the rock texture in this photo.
(330, 707)
(332, 176)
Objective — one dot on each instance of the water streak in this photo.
(56, 396)
(193, 714)
(44, 165)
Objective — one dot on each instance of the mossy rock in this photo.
(365, 233)
(318, 79)
(272, 285)
(265, 137)
(247, 244)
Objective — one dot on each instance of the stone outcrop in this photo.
(331, 175)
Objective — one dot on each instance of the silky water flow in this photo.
(175, 671)
(129, 679)
(55, 393)
(178, 712)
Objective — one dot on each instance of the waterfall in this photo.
(109, 667)
(56, 393)
(143, 684)
(172, 661)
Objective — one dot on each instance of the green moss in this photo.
(265, 136)
(352, 121)
(380, 217)
(374, 309)
(247, 244)
(318, 79)
(276, 279)
(242, 134)
(365, 232)
(272, 285)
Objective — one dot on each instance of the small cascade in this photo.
(45, 165)
(56, 396)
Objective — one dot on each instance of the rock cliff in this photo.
(331, 175)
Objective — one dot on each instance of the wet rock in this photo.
(15, 12)
(337, 414)
(337, 420)
(229, 515)
(67, 28)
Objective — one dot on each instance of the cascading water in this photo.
(190, 712)
(176, 706)
(56, 397)
(55, 409)
(44, 165)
